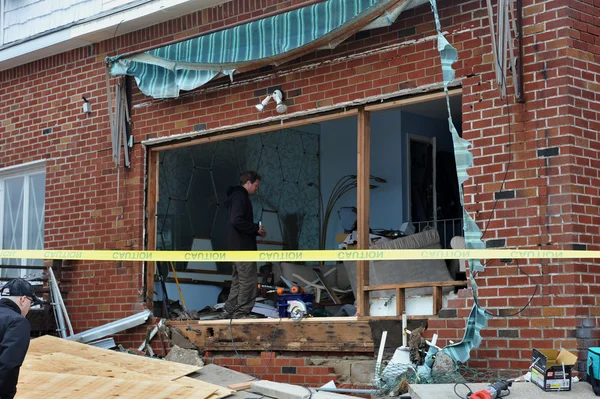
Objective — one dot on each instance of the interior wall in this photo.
(389, 132)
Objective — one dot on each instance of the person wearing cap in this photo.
(16, 298)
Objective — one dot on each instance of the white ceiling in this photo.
(437, 108)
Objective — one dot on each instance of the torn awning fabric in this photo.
(165, 71)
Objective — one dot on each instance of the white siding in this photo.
(25, 18)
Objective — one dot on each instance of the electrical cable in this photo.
(505, 171)
(537, 285)
(460, 396)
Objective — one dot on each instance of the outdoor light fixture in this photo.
(87, 107)
(261, 107)
(278, 97)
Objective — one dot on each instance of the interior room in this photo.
(307, 199)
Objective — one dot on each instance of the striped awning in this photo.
(165, 71)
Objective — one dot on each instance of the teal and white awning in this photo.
(165, 71)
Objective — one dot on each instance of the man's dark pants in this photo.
(243, 289)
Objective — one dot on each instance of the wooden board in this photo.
(363, 182)
(219, 391)
(63, 363)
(332, 334)
(39, 384)
(159, 368)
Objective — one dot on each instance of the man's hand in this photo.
(261, 231)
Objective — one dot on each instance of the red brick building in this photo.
(534, 182)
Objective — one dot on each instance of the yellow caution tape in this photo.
(298, 256)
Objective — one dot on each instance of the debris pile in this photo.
(57, 368)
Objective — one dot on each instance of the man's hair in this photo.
(249, 176)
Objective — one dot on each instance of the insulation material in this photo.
(460, 352)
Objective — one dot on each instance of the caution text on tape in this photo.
(297, 256)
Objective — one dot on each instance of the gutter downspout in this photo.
(520, 90)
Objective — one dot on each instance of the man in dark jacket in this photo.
(241, 236)
(16, 297)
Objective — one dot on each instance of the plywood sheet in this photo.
(38, 384)
(219, 391)
(63, 363)
(158, 368)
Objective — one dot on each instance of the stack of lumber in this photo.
(56, 368)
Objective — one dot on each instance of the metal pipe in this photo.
(61, 303)
(521, 91)
(57, 308)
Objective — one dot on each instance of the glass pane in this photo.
(35, 228)
(12, 230)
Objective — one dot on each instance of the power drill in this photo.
(492, 391)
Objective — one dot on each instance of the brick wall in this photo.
(549, 198)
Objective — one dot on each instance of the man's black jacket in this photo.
(241, 229)
(14, 342)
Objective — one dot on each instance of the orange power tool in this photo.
(493, 391)
(281, 290)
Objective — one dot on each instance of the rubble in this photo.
(184, 356)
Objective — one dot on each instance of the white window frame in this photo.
(25, 170)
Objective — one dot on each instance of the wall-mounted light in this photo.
(278, 97)
(261, 107)
(87, 107)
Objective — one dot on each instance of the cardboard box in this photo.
(552, 369)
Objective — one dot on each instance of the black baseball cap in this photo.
(20, 287)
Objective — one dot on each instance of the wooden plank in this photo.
(159, 368)
(39, 384)
(219, 391)
(343, 334)
(233, 133)
(437, 300)
(63, 363)
(363, 201)
(240, 386)
(400, 301)
(412, 100)
(152, 200)
(316, 321)
(424, 284)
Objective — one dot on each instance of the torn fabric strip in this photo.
(460, 352)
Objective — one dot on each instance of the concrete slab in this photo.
(287, 391)
(223, 377)
(519, 390)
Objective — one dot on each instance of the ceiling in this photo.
(437, 108)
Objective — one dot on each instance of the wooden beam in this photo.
(327, 334)
(400, 301)
(437, 300)
(412, 100)
(363, 204)
(385, 287)
(152, 201)
(250, 130)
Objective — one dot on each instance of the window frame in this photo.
(27, 171)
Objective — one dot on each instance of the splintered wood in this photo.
(57, 368)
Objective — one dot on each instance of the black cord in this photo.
(460, 396)
(506, 394)
(507, 167)
(537, 285)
